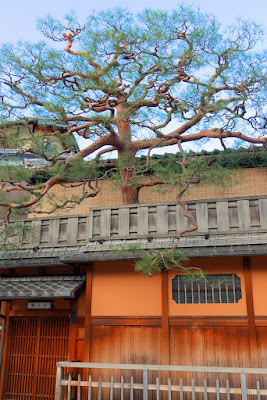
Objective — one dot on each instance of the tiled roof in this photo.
(37, 287)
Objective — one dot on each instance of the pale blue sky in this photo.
(18, 18)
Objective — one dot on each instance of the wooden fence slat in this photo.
(181, 221)
(202, 217)
(158, 388)
(111, 394)
(169, 389)
(100, 388)
(243, 215)
(69, 387)
(193, 389)
(72, 232)
(205, 390)
(258, 390)
(243, 386)
(79, 387)
(217, 389)
(142, 221)
(181, 389)
(123, 222)
(222, 216)
(122, 387)
(145, 384)
(162, 220)
(89, 387)
(58, 384)
(228, 389)
(132, 388)
(105, 220)
(263, 212)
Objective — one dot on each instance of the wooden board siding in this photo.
(35, 347)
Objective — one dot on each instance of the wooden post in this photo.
(252, 334)
(165, 354)
(58, 384)
(87, 319)
(145, 384)
(5, 310)
(87, 323)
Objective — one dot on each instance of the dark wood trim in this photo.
(165, 349)
(5, 310)
(72, 335)
(173, 321)
(127, 321)
(250, 314)
(40, 313)
(87, 318)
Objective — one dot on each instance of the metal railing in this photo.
(188, 381)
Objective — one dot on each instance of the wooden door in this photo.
(35, 347)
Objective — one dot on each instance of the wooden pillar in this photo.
(252, 334)
(5, 310)
(87, 319)
(165, 342)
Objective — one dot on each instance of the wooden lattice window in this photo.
(215, 288)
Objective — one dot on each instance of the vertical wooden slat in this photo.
(100, 388)
(111, 395)
(79, 387)
(145, 384)
(263, 212)
(36, 232)
(131, 389)
(142, 221)
(124, 221)
(105, 220)
(205, 390)
(193, 389)
(158, 388)
(72, 231)
(228, 396)
(165, 352)
(89, 394)
(122, 387)
(202, 217)
(69, 387)
(181, 389)
(258, 390)
(53, 231)
(243, 386)
(217, 389)
(162, 220)
(87, 318)
(169, 389)
(253, 345)
(222, 216)
(243, 215)
(181, 221)
(58, 384)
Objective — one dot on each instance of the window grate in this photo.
(215, 288)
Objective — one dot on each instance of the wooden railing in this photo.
(91, 388)
(137, 221)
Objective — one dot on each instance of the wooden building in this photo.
(71, 293)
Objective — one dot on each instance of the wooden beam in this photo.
(165, 343)
(5, 310)
(73, 334)
(252, 333)
(87, 319)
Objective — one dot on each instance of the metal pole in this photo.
(145, 384)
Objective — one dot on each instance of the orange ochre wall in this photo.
(117, 290)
